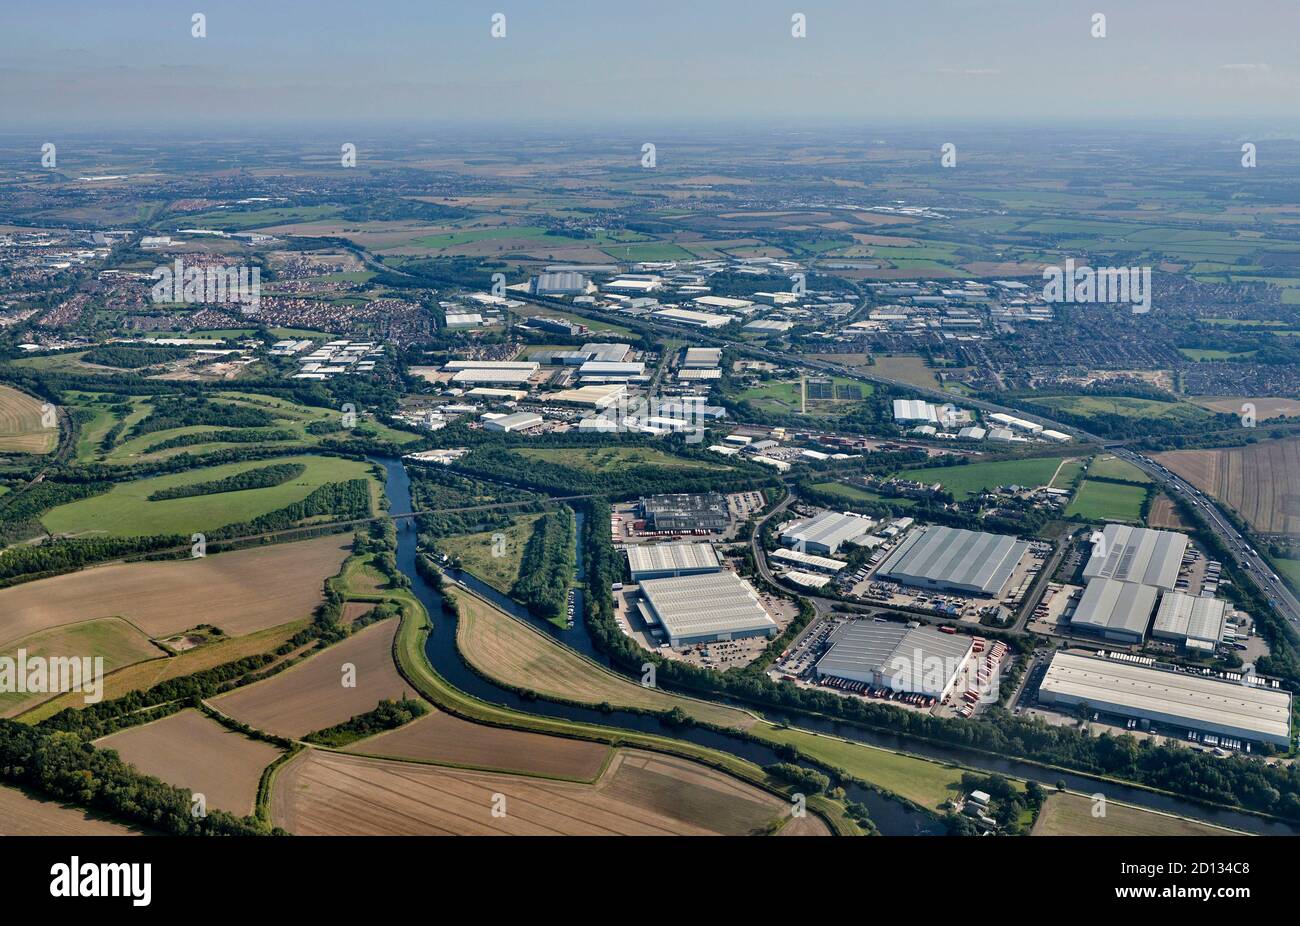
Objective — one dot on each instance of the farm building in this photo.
(823, 534)
(1179, 700)
(1137, 554)
(705, 608)
(1115, 610)
(665, 560)
(956, 560)
(1196, 622)
(884, 655)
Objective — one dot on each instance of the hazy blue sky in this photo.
(89, 64)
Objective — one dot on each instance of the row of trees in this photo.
(262, 477)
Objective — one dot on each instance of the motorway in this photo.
(1251, 564)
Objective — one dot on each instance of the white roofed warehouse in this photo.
(705, 608)
(664, 560)
(957, 560)
(1181, 701)
(823, 534)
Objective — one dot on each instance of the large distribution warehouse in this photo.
(1137, 554)
(956, 560)
(1178, 700)
(884, 655)
(705, 608)
(706, 511)
(663, 560)
(1198, 623)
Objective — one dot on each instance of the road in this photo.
(1251, 564)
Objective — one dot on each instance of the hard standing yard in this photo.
(311, 696)
(323, 793)
(192, 751)
(1260, 481)
(21, 429)
(240, 592)
(447, 740)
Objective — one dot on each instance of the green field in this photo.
(656, 251)
(125, 510)
(854, 494)
(1289, 570)
(257, 218)
(973, 478)
(1203, 353)
(783, 397)
(1125, 406)
(496, 563)
(611, 459)
(1068, 474)
(1107, 501)
(1108, 467)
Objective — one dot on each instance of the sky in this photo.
(96, 64)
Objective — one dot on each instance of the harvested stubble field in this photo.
(1163, 514)
(27, 814)
(510, 651)
(1067, 814)
(447, 740)
(311, 696)
(1260, 481)
(21, 429)
(327, 793)
(190, 750)
(240, 592)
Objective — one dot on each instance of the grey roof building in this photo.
(958, 560)
(1137, 554)
(1115, 610)
(706, 511)
(705, 608)
(824, 533)
(884, 655)
(1196, 622)
(1179, 700)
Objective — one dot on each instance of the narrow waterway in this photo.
(890, 816)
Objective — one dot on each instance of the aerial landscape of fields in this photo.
(868, 422)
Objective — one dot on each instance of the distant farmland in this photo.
(1261, 482)
(21, 430)
(27, 814)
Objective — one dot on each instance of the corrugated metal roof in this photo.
(1201, 702)
(861, 647)
(642, 557)
(1137, 554)
(960, 558)
(713, 603)
(1108, 604)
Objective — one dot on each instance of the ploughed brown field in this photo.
(240, 592)
(24, 813)
(323, 793)
(190, 750)
(1164, 515)
(311, 696)
(446, 740)
(1260, 481)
